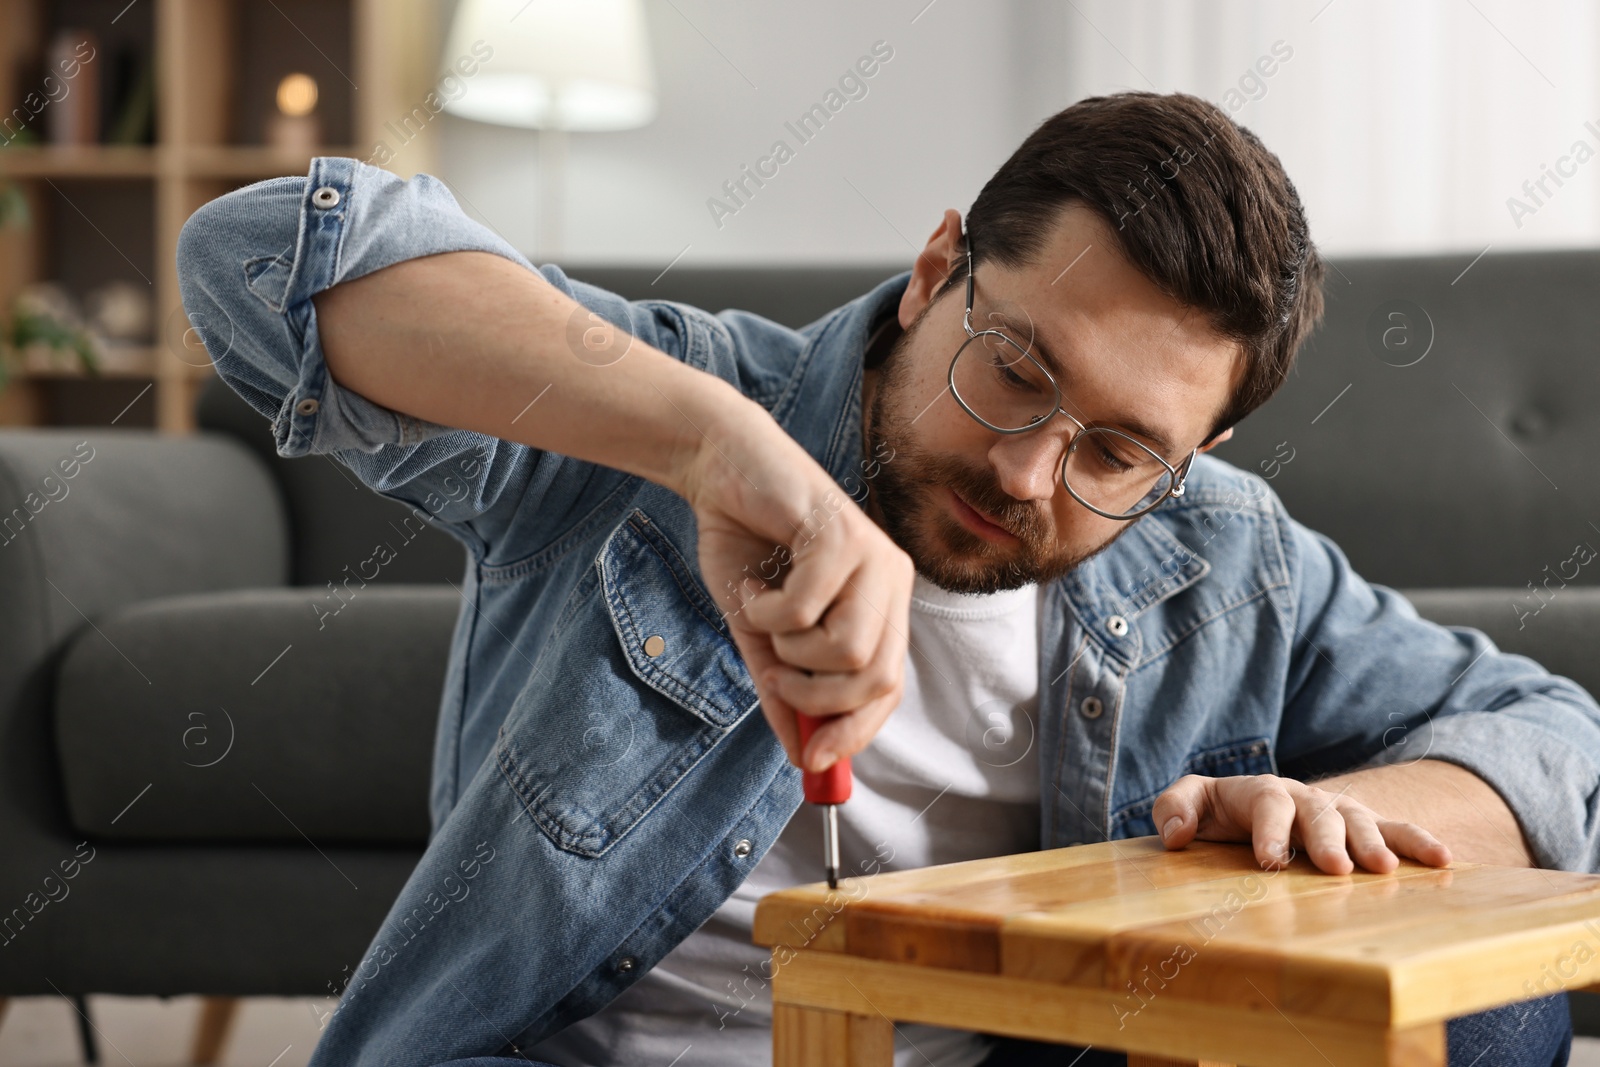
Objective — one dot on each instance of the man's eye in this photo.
(1007, 373)
(1112, 461)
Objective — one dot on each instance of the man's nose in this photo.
(1028, 465)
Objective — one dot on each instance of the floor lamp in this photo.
(554, 66)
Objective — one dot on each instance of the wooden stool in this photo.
(1194, 956)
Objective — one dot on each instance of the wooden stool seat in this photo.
(1194, 956)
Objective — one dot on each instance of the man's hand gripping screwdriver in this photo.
(830, 788)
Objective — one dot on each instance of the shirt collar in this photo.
(828, 378)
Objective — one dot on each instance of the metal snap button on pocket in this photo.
(308, 406)
(1117, 625)
(742, 848)
(326, 197)
(654, 645)
(626, 964)
(1091, 707)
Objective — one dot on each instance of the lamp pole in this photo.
(554, 66)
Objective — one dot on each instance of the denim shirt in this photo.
(593, 804)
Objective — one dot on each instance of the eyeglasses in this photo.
(1000, 384)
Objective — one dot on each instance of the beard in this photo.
(911, 497)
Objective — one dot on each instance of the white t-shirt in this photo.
(953, 775)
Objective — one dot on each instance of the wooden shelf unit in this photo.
(393, 63)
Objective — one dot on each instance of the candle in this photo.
(295, 127)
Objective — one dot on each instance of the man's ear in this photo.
(1217, 440)
(934, 263)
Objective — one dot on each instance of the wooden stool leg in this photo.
(1136, 1059)
(216, 1018)
(1417, 1046)
(812, 1037)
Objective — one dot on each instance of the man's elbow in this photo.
(241, 243)
(234, 257)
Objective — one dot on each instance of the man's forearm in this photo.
(1447, 800)
(474, 341)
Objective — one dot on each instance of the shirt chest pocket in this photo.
(640, 682)
(1252, 755)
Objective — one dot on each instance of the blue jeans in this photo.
(1533, 1033)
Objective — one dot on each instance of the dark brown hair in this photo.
(1198, 205)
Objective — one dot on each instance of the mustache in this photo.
(1024, 519)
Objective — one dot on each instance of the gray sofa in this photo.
(235, 823)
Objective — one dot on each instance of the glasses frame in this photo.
(1179, 473)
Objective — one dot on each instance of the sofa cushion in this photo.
(1440, 425)
(258, 715)
(333, 517)
(113, 516)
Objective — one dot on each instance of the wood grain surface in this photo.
(1192, 953)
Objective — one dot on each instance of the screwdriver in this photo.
(830, 788)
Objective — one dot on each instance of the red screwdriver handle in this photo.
(832, 786)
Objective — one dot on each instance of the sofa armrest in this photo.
(92, 519)
(268, 720)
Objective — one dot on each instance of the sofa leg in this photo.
(91, 1048)
(211, 1034)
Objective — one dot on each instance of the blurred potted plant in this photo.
(42, 327)
(13, 205)
(44, 333)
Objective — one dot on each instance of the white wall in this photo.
(1405, 126)
(937, 119)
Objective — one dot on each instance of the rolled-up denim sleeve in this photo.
(249, 263)
(1374, 684)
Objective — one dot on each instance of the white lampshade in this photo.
(557, 64)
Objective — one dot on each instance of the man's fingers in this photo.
(845, 735)
(837, 608)
(756, 648)
(1367, 846)
(1272, 815)
(809, 589)
(1323, 830)
(849, 634)
(1179, 810)
(1409, 839)
(831, 692)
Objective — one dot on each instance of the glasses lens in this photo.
(1001, 384)
(1114, 473)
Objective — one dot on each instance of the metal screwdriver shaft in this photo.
(830, 788)
(830, 843)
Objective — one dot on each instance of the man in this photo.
(975, 498)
